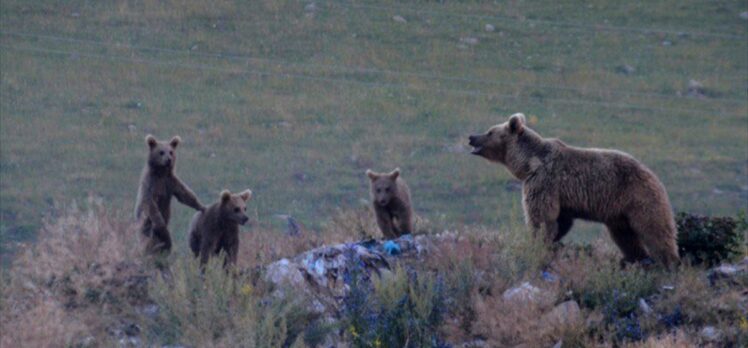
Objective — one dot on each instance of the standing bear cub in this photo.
(158, 184)
(217, 228)
(561, 183)
(391, 200)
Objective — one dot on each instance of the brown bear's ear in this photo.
(395, 173)
(517, 123)
(150, 140)
(174, 142)
(246, 194)
(371, 174)
(225, 196)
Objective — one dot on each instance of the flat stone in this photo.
(399, 19)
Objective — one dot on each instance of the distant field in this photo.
(297, 99)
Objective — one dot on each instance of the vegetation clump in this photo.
(711, 240)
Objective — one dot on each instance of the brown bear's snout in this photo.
(243, 220)
(476, 141)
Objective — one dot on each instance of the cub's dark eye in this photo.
(490, 133)
(162, 153)
(236, 210)
(387, 190)
(171, 153)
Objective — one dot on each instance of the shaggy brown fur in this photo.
(217, 228)
(390, 197)
(562, 183)
(158, 184)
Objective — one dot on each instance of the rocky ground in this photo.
(472, 288)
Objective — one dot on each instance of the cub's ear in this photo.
(150, 140)
(395, 173)
(371, 174)
(517, 123)
(246, 194)
(225, 196)
(174, 142)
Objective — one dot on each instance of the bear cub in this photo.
(390, 197)
(158, 184)
(561, 183)
(217, 228)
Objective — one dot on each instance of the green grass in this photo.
(301, 120)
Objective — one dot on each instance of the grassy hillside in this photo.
(296, 99)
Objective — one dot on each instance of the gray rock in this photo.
(526, 292)
(695, 89)
(150, 310)
(565, 313)
(319, 273)
(477, 343)
(88, 341)
(559, 344)
(469, 40)
(399, 19)
(744, 15)
(489, 28)
(130, 342)
(728, 272)
(644, 306)
(710, 334)
(625, 69)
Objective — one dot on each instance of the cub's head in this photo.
(493, 144)
(162, 155)
(383, 186)
(234, 206)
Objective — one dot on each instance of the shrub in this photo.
(402, 310)
(65, 287)
(616, 291)
(216, 308)
(710, 240)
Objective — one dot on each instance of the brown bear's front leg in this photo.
(207, 247)
(185, 195)
(232, 251)
(541, 212)
(405, 222)
(384, 220)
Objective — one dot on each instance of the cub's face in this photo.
(234, 206)
(493, 144)
(162, 154)
(383, 186)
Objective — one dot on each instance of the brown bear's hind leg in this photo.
(564, 226)
(628, 241)
(147, 228)
(160, 241)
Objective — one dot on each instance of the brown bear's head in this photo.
(383, 186)
(493, 144)
(162, 155)
(234, 206)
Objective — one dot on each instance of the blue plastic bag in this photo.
(391, 248)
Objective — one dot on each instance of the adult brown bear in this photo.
(561, 183)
